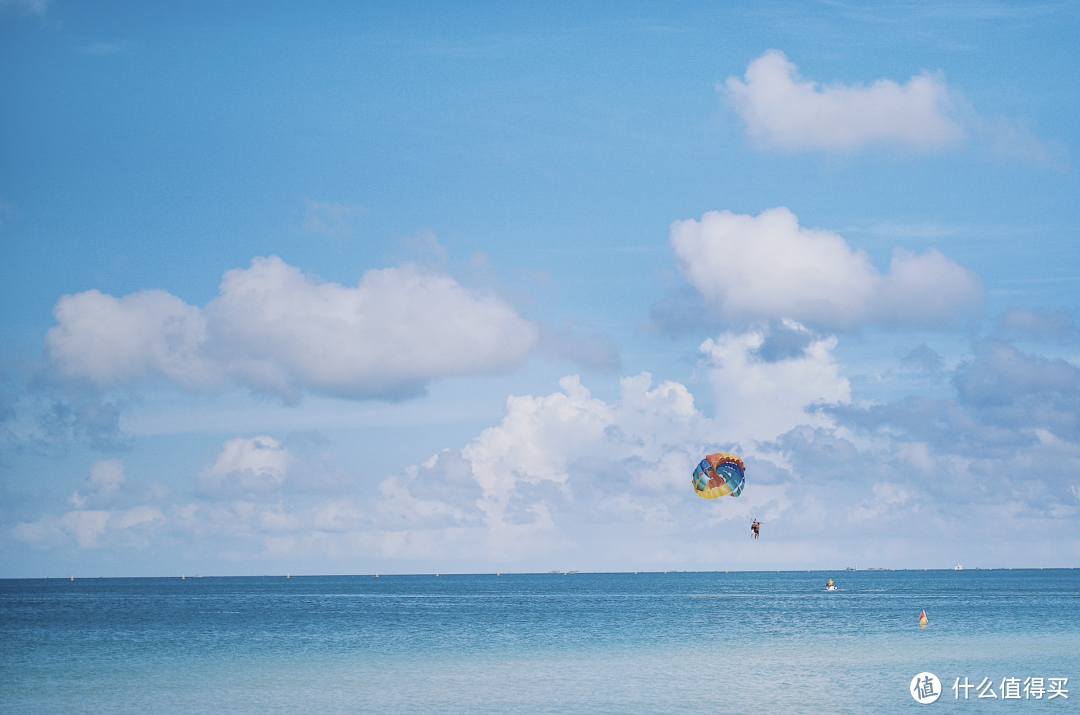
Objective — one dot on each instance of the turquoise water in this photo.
(584, 643)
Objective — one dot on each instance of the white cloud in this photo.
(106, 476)
(782, 110)
(92, 528)
(750, 268)
(86, 526)
(255, 464)
(278, 331)
(108, 341)
(758, 400)
(570, 480)
(569, 469)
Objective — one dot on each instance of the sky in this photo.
(347, 288)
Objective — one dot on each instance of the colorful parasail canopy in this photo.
(719, 475)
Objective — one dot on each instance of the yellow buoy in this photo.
(72, 578)
(286, 575)
(923, 622)
(182, 578)
(376, 575)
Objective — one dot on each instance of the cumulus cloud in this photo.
(277, 331)
(757, 398)
(106, 477)
(256, 464)
(780, 109)
(532, 485)
(750, 268)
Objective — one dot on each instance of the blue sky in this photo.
(349, 289)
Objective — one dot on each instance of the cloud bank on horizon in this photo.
(571, 478)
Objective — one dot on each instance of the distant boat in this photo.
(958, 568)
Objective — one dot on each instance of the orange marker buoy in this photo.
(923, 622)
(72, 578)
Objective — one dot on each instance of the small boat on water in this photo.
(830, 586)
(958, 568)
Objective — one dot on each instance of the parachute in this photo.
(719, 475)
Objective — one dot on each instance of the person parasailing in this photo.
(755, 529)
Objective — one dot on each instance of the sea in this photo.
(717, 642)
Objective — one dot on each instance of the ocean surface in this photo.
(582, 643)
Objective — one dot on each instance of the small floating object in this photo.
(376, 575)
(72, 578)
(498, 574)
(436, 575)
(286, 575)
(923, 622)
(182, 578)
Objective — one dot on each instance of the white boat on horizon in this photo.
(958, 568)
